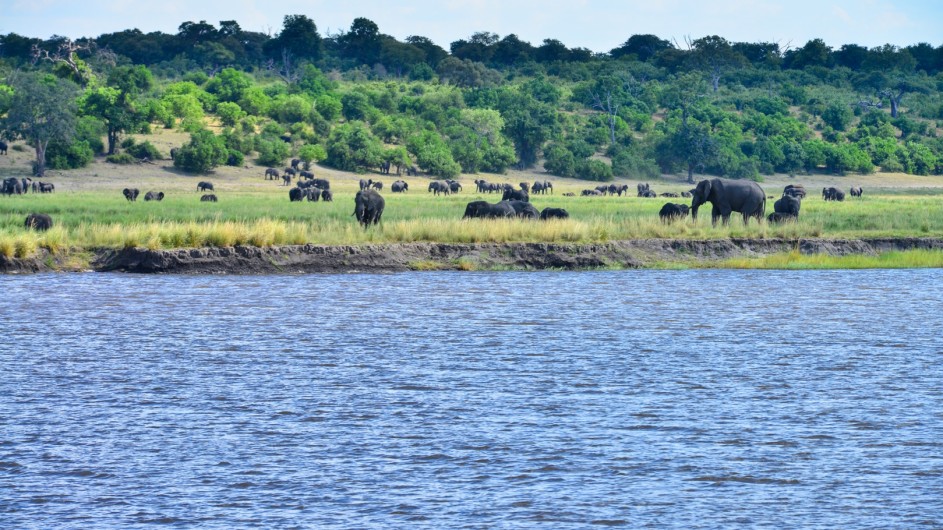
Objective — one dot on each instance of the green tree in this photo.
(202, 153)
(299, 37)
(42, 110)
(837, 116)
(351, 147)
(311, 153)
(229, 85)
(230, 113)
(117, 103)
(362, 42)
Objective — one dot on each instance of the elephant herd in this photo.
(311, 190)
(20, 186)
(131, 194)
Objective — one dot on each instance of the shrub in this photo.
(145, 150)
(72, 156)
(204, 152)
(120, 158)
(594, 170)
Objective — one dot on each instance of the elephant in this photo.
(131, 194)
(399, 186)
(795, 190)
(412, 171)
(687, 194)
(649, 194)
(38, 221)
(364, 183)
(313, 194)
(286, 179)
(454, 186)
(525, 186)
(47, 187)
(605, 189)
(669, 194)
(209, 197)
(378, 186)
(779, 217)
(726, 196)
(833, 194)
(486, 210)
(12, 186)
(3, 147)
(385, 167)
(327, 196)
(154, 196)
(554, 213)
(306, 174)
(322, 183)
(437, 187)
(290, 171)
(642, 187)
(515, 195)
(671, 212)
(295, 162)
(204, 186)
(856, 191)
(368, 207)
(296, 194)
(173, 153)
(591, 193)
(271, 174)
(787, 204)
(524, 210)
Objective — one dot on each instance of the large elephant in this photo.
(726, 196)
(856, 191)
(788, 205)
(399, 186)
(368, 207)
(38, 221)
(204, 186)
(131, 194)
(511, 194)
(486, 210)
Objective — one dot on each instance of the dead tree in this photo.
(66, 54)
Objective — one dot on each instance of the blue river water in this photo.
(641, 399)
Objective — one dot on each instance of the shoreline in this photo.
(401, 257)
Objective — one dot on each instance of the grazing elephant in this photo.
(787, 204)
(306, 174)
(554, 213)
(454, 186)
(776, 218)
(296, 194)
(437, 187)
(313, 194)
(672, 212)
(209, 197)
(271, 174)
(286, 179)
(47, 187)
(322, 183)
(364, 183)
(669, 194)
(399, 186)
(12, 186)
(154, 196)
(833, 194)
(204, 186)
(687, 194)
(486, 210)
(524, 210)
(327, 196)
(642, 187)
(726, 196)
(3, 147)
(512, 194)
(295, 162)
(131, 194)
(368, 207)
(649, 194)
(38, 221)
(795, 190)
(856, 191)
(378, 186)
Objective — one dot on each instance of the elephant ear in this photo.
(704, 188)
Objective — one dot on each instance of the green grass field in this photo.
(94, 219)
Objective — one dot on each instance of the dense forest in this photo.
(359, 99)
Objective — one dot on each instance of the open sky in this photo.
(599, 25)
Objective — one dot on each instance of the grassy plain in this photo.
(90, 212)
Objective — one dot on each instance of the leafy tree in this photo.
(814, 53)
(202, 153)
(42, 110)
(433, 52)
(690, 146)
(362, 42)
(116, 104)
(643, 47)
(528, 123)
(837, 116)
(230, 113)
(299, 37)
(558, 160)
(715, 56)
(272, 151)
(351, 147)
(229, 85)
(311, 153)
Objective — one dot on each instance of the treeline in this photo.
(361, 98)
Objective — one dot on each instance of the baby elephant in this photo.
(154, 196)
(554, 213)
(776, 218)
(209, 197)
(38, 221)
(671, 212)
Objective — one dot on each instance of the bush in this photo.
(271, 152)
(204, 152)
(75, 155)
(143, 151)
(120, 158)
(236, 158)
(594, 170)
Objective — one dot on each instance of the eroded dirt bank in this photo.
(446, 256)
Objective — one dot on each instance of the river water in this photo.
(694, 399)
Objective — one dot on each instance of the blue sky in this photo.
(599, 25)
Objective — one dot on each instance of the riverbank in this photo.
(397, 257)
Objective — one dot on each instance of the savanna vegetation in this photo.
(358, 100)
